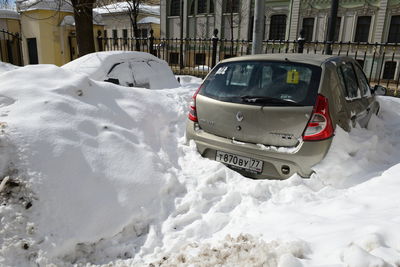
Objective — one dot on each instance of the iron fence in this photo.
(196, 56)
(10, 48)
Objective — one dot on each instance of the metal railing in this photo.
(196, 56)
(10, 47)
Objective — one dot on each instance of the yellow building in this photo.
(48, 31)
(9, 37)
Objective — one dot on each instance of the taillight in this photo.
(320, 125)
(192, 107)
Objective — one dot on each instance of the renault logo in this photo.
(239, 116)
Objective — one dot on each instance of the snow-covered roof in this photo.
(149, 20)
(121, 7)
(8, 14)
(70, 20)
(59, 5)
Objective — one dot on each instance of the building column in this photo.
(294, 15)
(380, 19)
(163, 19)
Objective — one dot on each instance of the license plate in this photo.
(246, 163)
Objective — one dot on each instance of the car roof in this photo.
(313, 59)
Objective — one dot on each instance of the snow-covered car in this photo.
(126, 68)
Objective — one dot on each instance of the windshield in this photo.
(277, 83)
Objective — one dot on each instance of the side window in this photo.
(362, 80)
(240, 75)
(350, 80)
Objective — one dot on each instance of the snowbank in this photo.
(106, 179)
(6, 67)
(94, 155)
(137, 68)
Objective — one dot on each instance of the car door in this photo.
(355, 104)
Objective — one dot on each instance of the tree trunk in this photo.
(83, 14)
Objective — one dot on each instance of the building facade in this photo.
(117, 22)
(48, 31)
(359, 21)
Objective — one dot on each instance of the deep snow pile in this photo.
(100, 174)
(6, 67)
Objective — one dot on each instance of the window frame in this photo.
(311, 33)
(174, 8)
(347, 95)
(361, 75)
(394, 32)
(394, 70)
(358, 33)
(235, 7)
(278, 31)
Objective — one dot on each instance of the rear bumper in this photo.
(300, 159)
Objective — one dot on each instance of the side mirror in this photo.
(379, 90)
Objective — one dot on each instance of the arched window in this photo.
(175, 8)
(231, 6)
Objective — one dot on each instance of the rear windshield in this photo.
(267, 82)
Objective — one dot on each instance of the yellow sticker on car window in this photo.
(292, 77)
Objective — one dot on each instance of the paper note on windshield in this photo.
(292, 77)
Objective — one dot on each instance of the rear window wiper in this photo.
(268, 100)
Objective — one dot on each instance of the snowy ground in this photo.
(99, 174)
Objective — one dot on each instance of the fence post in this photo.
(19, 49)
(151, 41)
(99, 41)
(214, 48)
(301, 41)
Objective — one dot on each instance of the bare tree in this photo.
(133, 12)
(83, 14)
(6, 4)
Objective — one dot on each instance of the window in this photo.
(389, 70)
(308, 27)
(362, 80)
(279, 80)
(200, 59)
(173, 58)
(349, 80)
(337, 29)
(361, 62)
(231, 6)
(143, 33)
(394, 30)
(125, 36)
(277, 28)
(175, 8)
(191, 12)
(362, 30)
(250, 32)
(115, 36)
(201, 6)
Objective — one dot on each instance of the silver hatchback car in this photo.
(271, 116)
